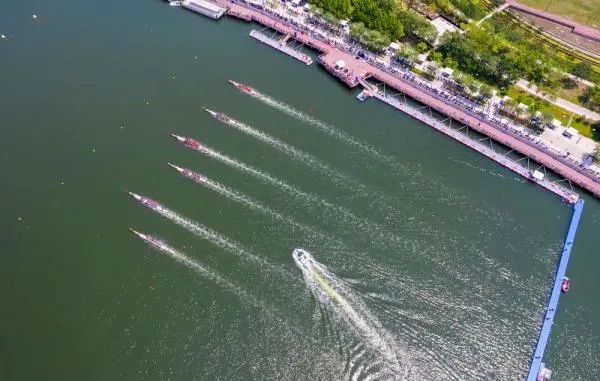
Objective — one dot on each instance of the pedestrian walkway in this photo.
(562, 103)
(499, 9)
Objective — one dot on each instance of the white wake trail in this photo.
(333, 293)
(215, 238)
(377, 232)
(293, 152)
(252, 204)
(325, 127)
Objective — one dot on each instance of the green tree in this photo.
(339, 8)
(485, 91)
(591, 98)
(475, 58)
(408, 52)
(357, 30)
(547, 117)
(596, 136)
(568, 82)
(414, 23)
(468, 82)
(509, 104)
(436, 56)
(376, 40)
(329, 18)
(553, 79)
(459, 78)
(449, 62)
(422, 47)
(469, 8)
(582, 70)
(376, 18)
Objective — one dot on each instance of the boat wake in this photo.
(373, 229)
(210, 235)
(340, 215)
(279, 325)
(376, 199)
(251, 204)
(268, 179)
(287, 149)
(479, 168)
(325, 127)
(331, 292)
(164, 248)
(379, 234)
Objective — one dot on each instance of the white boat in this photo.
(175, 3)
(362, 96)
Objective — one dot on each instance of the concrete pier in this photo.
(566, 194)
(537, 366)
(205, 8)
(281, 46)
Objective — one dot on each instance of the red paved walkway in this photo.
(355, 67)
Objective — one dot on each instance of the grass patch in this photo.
(571, 95)
(418, 71)
(582, 11)
(520, 96)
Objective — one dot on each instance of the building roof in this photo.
(442, 26)
(572, 131)
(395, 46)
(522, 106)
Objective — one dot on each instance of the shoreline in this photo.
(567, 195)
(356, 70)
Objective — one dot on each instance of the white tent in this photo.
(340, 64)
(538, 175)
(394, 46)
(448, 71)
(570, 132)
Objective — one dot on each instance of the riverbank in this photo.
(355, 69)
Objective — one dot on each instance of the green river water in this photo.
(428, 254)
